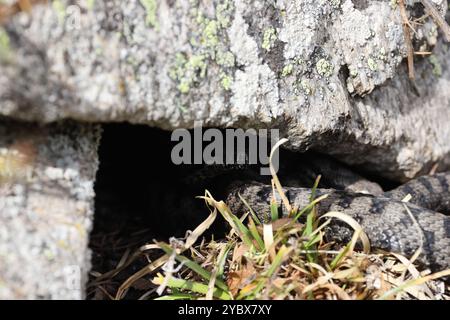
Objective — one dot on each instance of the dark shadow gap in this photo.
(141, 195)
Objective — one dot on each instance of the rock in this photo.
(46, 207)
(329, 74)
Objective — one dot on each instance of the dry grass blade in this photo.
(124, 259)
(275, 177)
(211, 285)
(112, 273)
(150, 246)
(352, 223)
(407, 35)
(338, 291)
(268, 239)
(414, 273)
(322, 280)
(141, 273)
(415, 282)
(194, 235)
(419, 231)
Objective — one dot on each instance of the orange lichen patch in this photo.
(7, 11)
(17, 159)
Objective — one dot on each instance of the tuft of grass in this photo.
(285, 259)
(281, 259)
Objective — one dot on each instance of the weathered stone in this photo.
(328, 73)
(46, 207)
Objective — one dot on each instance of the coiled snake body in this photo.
(383, 216)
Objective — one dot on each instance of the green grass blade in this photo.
(339, 257)
(279, 258)
(243, 232)
(223, 259)
(253, 214)
(314, 188)
(235, 223)
(274, 210)
(193, 266)
(186, 285)
(309, 229)
(310, 222)
(315, 239)
(177, 297)
(310, 206)
(255, 234)
(311, 218)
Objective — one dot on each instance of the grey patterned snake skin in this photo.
(383, 216)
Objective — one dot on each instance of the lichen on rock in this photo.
(47, 212)
(151, 7)
(308, 67)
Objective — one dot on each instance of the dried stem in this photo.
(408, 42)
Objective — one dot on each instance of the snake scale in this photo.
(383, 215)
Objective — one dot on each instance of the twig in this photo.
(407, 33)
(423, 53)
(440, 21)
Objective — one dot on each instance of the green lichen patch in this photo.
(306, 86)
(60, 10)
(393, 4)
(437, 68)
(188, 71)
(373, 65)
(223, 13)
(382, 54)
(303, 87)
(353, 72)
(151, 8)
(209, 43)
(324, 68)
(225, 81)
(433, 33)
(287, 70)
(269, 38)
(90, 4)
(209, 36)
(225, 59)
(5, 45)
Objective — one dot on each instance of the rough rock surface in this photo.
(46, 207)
(329, 74)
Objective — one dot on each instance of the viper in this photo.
(390, 223)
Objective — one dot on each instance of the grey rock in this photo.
(46, 208)
(329, 74)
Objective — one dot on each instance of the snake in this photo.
(390, 223)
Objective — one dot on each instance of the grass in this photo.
(283, 258)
